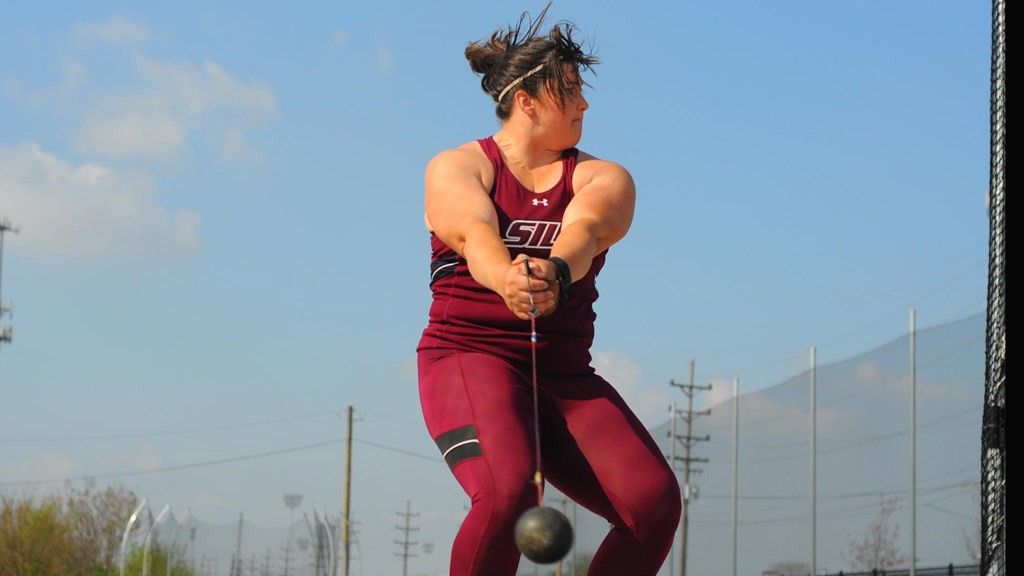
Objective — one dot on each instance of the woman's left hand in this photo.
(533, 295)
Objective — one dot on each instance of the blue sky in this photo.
(222, 242)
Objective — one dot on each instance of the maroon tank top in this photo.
(465, 316)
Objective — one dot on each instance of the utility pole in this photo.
(688, 441)
(236, 564)
(6, 332)
(346, 530)
(405, 543)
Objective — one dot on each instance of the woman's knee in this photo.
(658, 506)
(511, 501)
(504, 497)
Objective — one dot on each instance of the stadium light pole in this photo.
(292, 501)
(6, 332)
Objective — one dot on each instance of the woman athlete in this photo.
(526, 193)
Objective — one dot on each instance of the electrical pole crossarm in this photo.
(689, 388)
(695, 439)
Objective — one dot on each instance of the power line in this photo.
(397, 450)
(406, 421)
(216, 462)
(178, 467)
(157, 434)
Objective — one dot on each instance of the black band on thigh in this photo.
(459, 444)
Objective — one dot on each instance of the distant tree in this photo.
(97, 520)
(788, 568)
(157, 563)
(73, 533)
(34, 538)
(879, 548)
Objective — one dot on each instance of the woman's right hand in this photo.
(517, 288)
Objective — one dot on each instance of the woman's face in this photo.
(563, 122)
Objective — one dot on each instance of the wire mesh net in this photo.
(863, 465)
(190, 547)
(993, 460)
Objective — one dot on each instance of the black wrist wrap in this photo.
(564, 278)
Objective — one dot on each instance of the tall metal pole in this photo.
(3, 231)
(814, 462)
(575, 523)
(346, 528)
(735, 473)
(913, 442)
(558, 567)
(238, 548)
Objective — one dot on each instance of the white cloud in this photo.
(193, 90)
(721, 391)
(340, 38)
(132, 133)
(88, 210)
(169, 101)
(116, 30)
(649, 404)
(120, 103)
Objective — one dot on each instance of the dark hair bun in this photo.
(484, 56)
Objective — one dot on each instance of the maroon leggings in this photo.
(479, 409)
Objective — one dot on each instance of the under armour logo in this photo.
(540, 201)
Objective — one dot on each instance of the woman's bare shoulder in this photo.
(589, 166)
(468, 155)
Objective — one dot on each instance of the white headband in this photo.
(518, 80)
